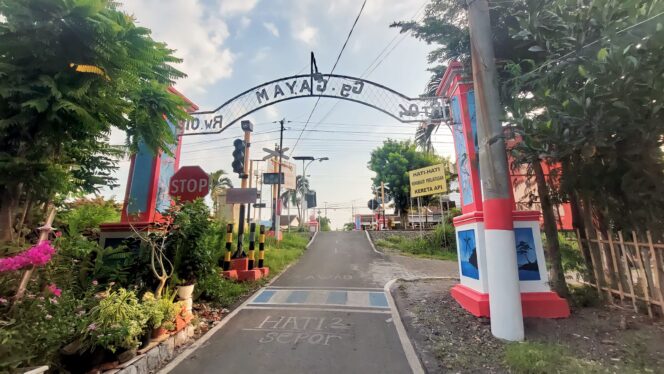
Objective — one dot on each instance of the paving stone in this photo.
(153, 359)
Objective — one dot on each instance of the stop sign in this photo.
(189, 183)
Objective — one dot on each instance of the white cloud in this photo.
(306, 34)
(234, 7)
(272, 113)
(272, 28)
(197, 40)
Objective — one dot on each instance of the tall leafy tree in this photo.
(218, 180)
(391, 163)
(72, 70)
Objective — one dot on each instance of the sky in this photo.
(229, 46)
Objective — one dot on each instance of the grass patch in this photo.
(535, 358)
(225, 293)
(419, 247)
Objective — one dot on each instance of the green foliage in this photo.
(71, 72)
(543, 358)
(220, 291)
(160, 311)
(391, 163)
(34, 330)
(85, 215)
(116, 323)
(190, 242)
(324, 223)
(350, 226)
(593, 100)
(430, 245)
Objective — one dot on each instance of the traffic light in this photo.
(238, 156)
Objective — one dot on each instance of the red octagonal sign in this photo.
(189, 183)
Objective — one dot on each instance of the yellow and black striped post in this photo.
(261, 246)
(252, 244)
(229, 247)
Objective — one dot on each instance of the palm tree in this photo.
(424, 134)
(218, 180)
(301, 187)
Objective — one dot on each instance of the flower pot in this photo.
(158, 333)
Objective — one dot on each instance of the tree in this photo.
(391, 163)
(71, 71)
(324, 223)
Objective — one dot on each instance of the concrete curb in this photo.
(412, 357)
(312, 240)
(372, 244)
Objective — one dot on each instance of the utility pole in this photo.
(503, 276)
(277, 211)
(382, 200)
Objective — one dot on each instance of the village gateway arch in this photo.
(358, 90)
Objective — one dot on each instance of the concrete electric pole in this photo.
(503, 276)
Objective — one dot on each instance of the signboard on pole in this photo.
(241, 195)
(289, 171)
(189, 183)
(427, 181)
(272, 178)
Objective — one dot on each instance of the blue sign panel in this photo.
(526, 256)
(166, 171)
(141, 180)
(461, 154)
(468, 254)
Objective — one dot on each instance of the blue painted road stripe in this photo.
(264, 297)
(297, 297)
(378, 299)
(337, 297)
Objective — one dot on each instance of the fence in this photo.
(630, 269)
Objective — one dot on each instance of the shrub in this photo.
(160, 312)
(85, 215)
(116, 323)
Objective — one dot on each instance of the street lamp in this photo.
(303, 201)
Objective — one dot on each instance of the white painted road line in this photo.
(318, 309)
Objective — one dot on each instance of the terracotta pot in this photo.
(158, 333)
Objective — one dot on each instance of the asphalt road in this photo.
(326, 314)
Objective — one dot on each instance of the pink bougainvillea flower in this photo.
(58, 234)
(53, 300)
(3, 300)
(37, 255)
(94, 282)
(52, 288)
(92, 327)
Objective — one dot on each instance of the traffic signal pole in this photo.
(244, 177)
(502, 273)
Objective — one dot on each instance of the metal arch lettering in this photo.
(358, 90)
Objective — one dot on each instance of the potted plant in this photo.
(116, 324)
(161, 313)
(190, 245)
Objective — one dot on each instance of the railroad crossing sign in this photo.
(189, 183)
(275, 153)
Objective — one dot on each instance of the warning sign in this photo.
(427, 181)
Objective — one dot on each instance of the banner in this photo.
(288, 169)
(428, 181)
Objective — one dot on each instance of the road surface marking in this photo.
(362, 299)
(372, 244)
(315, 308)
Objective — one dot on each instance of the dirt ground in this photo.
(448, 339)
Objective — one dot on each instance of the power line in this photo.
(364, 74)
(332, 72)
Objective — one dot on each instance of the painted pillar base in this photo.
(534, 304)
(537, 299)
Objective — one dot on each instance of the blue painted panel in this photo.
(166, 171)
(462, 154)
(526, 256)
(297, 297)
(141, 180)
(337, 297)
(377, 299)
(264, 297)
(468, 254)
(473, 118)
